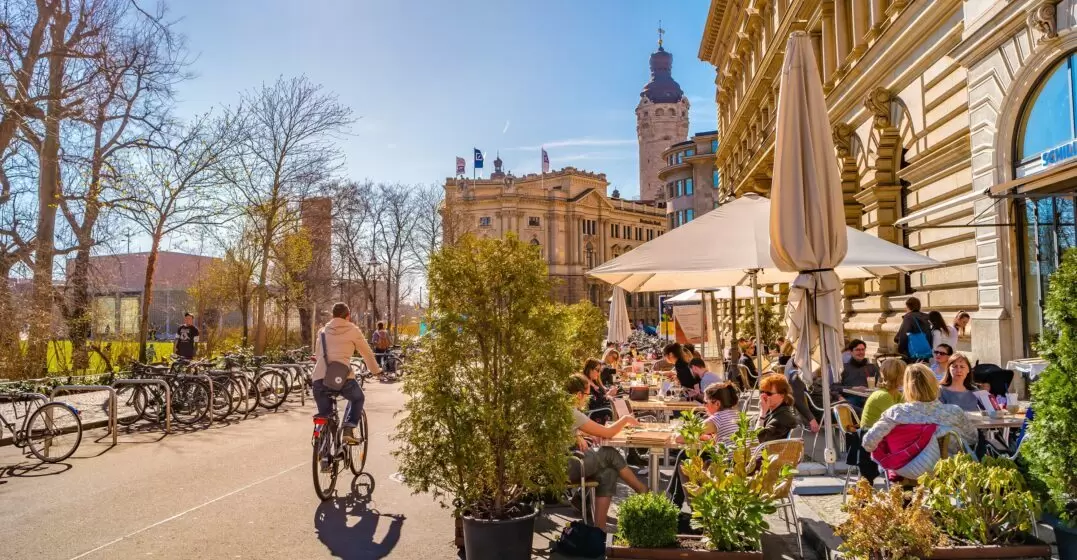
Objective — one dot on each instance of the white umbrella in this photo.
(807, 216)
(618, 329)
(721, 246)
(696, 296)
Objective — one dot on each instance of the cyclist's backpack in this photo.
(581, 539)
(919, 347)
(336, 373)
(381, 341)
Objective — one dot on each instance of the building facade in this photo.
(566, 214)
(690, 178)
(661, 120)
(953, 122)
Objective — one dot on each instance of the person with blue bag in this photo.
(914, 336)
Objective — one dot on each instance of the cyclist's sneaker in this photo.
(349, 436)
(327, 465)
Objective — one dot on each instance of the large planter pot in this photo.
(629, 553)
(1066, 539)
(506, 539)
(1007, 551)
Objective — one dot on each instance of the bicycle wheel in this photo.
(53, 432)
(190, 401)
(245, 400)
(324, 478)
(223, 404)
(128, 399)
(272, 389)
(357, 452)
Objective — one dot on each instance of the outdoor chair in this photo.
(587, 491)
(788, 452)
(747, 392)
(848, 424)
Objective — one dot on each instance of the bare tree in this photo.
(428, 234)
(353, 239)
(288, 147)
(394, 225)
(174, 189)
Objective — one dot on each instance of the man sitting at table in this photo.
(706, 377)
(603, 465)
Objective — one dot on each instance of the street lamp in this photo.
(373, 264)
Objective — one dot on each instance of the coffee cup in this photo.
(871, 383)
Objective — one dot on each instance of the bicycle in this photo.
(52, 432)
(331, 454)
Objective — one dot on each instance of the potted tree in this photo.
(731, 490)
(1052, 437)
(487, 423)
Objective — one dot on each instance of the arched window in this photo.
(1048, 125)
(658, 112)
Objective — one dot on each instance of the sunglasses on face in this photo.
(941, 353)
(767, 393)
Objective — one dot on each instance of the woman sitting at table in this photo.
(720, 401)
(897, 440)
(886, 395)
(776, 415)
(611, 361)
(600, 393)
(956, 386)
(674, 354)
(603, 465)
(786, 353)
(857, 371)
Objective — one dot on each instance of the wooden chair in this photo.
(788, 452)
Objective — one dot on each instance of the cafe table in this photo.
(656, 438)
(655, 404)
(864, 392)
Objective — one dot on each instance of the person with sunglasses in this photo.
(941, 363)
(776, 414)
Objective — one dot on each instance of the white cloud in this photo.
(506, 129)
(580, 143)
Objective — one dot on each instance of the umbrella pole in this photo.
(758, 331)
(824, 368)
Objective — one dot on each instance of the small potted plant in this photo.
(645, 521)
(1052, 438)
(731, 489)
(487, 423)
(887, 525)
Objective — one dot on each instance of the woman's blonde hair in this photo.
(787, 349)
(891, 371)
(920, 384)
(777, 383)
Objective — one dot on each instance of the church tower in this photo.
(661, 121)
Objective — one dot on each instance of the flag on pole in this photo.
(478, 159)
(545, 161)
(460, 166)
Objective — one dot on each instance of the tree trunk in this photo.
(9, 337)
(78, 316)
(261, 295)
(147, 297)
(306, 324)
(47, 195)
(245, 311)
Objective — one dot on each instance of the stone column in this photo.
(829, 54)
(817, 47)
(850, 178)
(861, 26)
(841, 30)
(878, 16)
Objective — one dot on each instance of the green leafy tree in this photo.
(1052, 437)
(581, 325)
(487, 420)
(770, 321)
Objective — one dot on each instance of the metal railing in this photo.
(90, 388)
(159, 383)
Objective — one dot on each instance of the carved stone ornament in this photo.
(1042, 18)
(842, 139)
(878, 102)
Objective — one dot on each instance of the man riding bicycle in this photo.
(342, 339)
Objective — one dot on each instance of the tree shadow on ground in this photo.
(346, 525)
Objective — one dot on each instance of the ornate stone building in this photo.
(661, 120)
(690, 179)
(568, 215)
(953, 121)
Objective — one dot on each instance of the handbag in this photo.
(336, 373)
(581, 539)
(919, 346)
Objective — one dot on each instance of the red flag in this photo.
(460, 163)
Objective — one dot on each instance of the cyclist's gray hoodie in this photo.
(342, 339)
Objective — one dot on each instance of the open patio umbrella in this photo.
(808, 235)
(618, 328)
(696, 296)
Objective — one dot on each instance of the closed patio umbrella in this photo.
(807, 216)
(618, 328)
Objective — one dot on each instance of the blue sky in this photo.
(432, 79)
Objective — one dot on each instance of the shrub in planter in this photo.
(487, 421)
(1052, 436)
(733, 491)
(887, 525)
(647, 521)
(984, 503)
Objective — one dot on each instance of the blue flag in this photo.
(478, 159)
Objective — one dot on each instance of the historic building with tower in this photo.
(661, 120)
(568, 216)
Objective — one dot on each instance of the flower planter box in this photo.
(1009, 551)
(629, 553)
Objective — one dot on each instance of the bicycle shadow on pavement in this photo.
(32, 470)
(347, 525)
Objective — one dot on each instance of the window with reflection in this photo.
(1048, 120)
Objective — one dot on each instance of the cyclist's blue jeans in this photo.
(351, 392)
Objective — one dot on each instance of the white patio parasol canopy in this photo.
(808, 235)
(618, 328)
(719, 247)
(696, 296)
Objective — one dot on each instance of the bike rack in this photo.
(160, 383)
(207, 379)
(297, 371)
(89, 388)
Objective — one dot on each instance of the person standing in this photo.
(381, 342)
(915, 328)
(186, 337)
